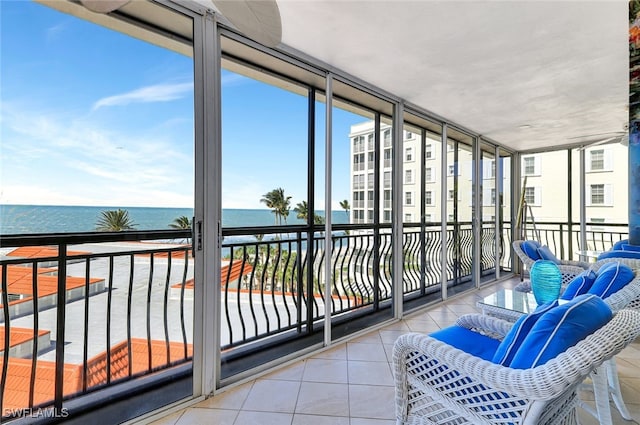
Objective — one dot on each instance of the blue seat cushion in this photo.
(468, 341)
(531, 249)
(579, 285)
(627, 247)
(545, 254)
(619, 254)
(512, 341)
(559, 328)
(619, 244)
(611, 278)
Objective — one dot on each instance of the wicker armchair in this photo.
(568, 268)
(439, 384)
(605, 378)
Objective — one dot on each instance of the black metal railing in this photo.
(93, 312)
(103, 297)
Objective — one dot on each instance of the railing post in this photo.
(61, 299)
(562, 256)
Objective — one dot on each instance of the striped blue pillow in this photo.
(512, 341)
(560, 328)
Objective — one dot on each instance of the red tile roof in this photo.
(18, 336)
(20, 281)
(231, 273)
(40, 252)
(16, 388)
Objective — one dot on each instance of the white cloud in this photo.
(149, 94)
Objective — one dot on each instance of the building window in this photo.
(386, 137)
(358, 144)
(597, 194)
(451, 195)
(387, 158)
(409, 135)
(387, 199)
(450, 217)
(493, 169)
(428, 174)
(387, 179)
(386, 217)
(408, 198)
(370, 198)
(408, 176)
(408, 218)
(451, 169)
(428, 197)
(427, 218)
(370, 180)
(597, 160)
(358, 162)
(408, 154)
(493, 196)
(428, 151)
(370, 160)
(530, 165)
(370, 142)
(370, 216)
(530, 195)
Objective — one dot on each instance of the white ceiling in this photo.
(528, 75)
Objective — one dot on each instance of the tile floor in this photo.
(352, 383)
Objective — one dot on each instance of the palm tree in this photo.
(346, 207)
(279, 203)
(114, 221)
(182, 222)
(302, 210)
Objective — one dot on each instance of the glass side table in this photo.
(588, 255)
(508, 304)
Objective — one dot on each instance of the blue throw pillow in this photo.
(610, 279)
(512, 341)
(627, 247)
(619, 254)
(579, 285)
(619, 244)
(468, 341)
(545, 254)
(560, 328)
(531, 249)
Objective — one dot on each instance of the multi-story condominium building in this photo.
(546, 188)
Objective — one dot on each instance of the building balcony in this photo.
(127, 313)
(352, 382)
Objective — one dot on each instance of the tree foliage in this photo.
(114, 221)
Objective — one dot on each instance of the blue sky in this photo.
(93, 117)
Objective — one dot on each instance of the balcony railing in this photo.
(107, 308)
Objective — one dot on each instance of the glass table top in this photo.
(510, 300)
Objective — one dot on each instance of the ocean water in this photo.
(27, 219)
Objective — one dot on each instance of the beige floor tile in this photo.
(325, 370)
(370, 338)
(423, 326)
(337, 353)
(263, 418)
(269, 395)
(374, 402)
(318, 398)
(300, 419)
(389, 337)
(370, 373)
(290, 373)
(460, 309)
(232, 398)
(365, 352)
(388, 350)
(197, 416)
(398, 326)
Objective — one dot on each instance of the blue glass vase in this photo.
(546, 280)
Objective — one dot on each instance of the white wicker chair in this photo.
(569, 269)
(439, 384)
(605, 378)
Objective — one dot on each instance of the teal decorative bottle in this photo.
(546, 280)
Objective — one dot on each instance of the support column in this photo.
(634, 124)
